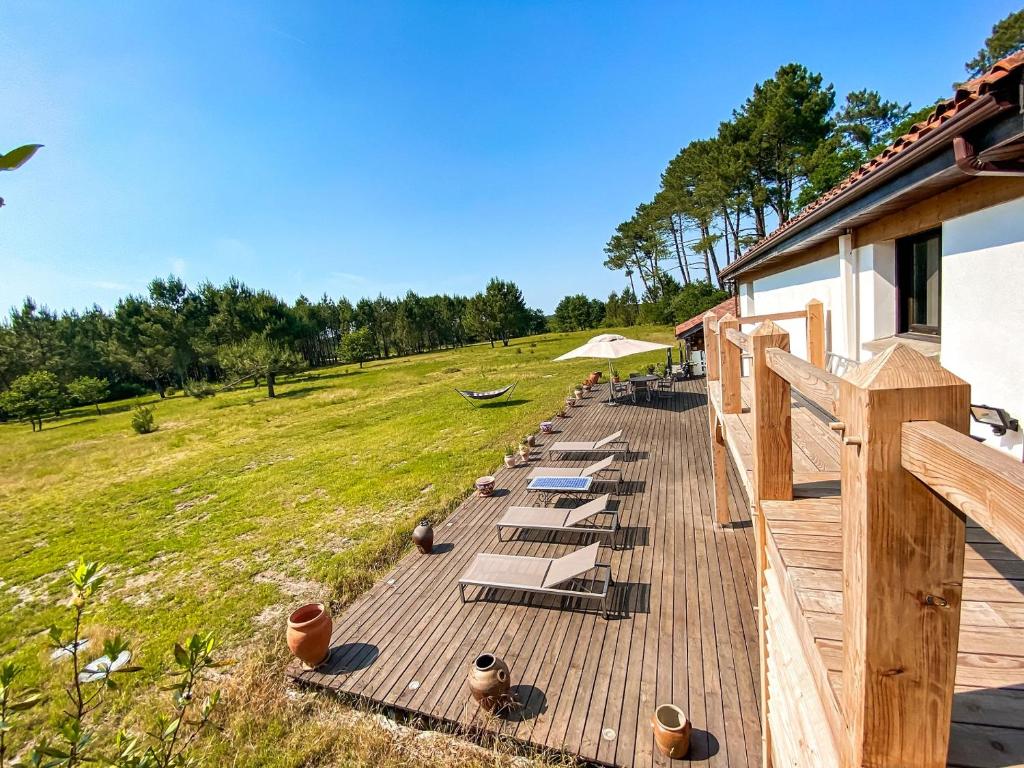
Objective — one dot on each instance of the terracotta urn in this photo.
(423, 537)
(485, 484)
(530, 440)
(546, 427)
(671, 731)
(309, 634)
(489, 681)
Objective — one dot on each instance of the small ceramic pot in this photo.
(671, 731)
(485, 484)
(510, 461)
(546, 427)
(423, 537)
(489, 681)
(309, 634)
(578, 392)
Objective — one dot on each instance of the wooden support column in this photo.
(773, 475)
(711, 346)
(903, 565)
(816, 333)
(731, 368)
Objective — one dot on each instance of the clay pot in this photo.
(485, 484)
(531, 440)
(671, 731)
(510, 461)
(546, 427)
(489, 681)
(423, 537)
(309, 634)
(524, 452)
(578, 392)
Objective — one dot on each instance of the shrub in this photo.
(143, 421)
(74, 740)
(170, 392)
(199, 389)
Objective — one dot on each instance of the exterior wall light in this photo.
(997, 418)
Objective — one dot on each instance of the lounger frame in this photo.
(602, 596)
(609, 531)
(612, 447)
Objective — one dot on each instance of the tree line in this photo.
(785, 146)
(182, 337)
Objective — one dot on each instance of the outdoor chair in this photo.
(641, 388)
(556, 576)
(595, 471)
(612, 442)
(578, 520)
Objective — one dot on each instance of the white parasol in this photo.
(612, 346)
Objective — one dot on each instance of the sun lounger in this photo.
(580, 519)
(558, 576)
(596, 471)
(549, 487)
(612, 442)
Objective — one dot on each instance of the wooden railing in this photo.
(908, 475)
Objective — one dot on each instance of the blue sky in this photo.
(366, 147)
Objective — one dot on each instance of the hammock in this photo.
(471, 395)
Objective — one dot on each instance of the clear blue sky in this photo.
(365, 147)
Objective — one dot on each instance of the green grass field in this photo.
(239, 506)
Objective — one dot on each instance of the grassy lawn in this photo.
(239, 506)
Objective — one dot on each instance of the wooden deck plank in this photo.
(683, 628)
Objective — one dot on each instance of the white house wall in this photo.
(790, 290)
(983, 309)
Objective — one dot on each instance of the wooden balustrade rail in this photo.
(738, 338)
(799, 314)
(984, 484)
(816, 384)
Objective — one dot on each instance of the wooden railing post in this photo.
(711, 346)
(773, 474)
(903, 563)
(731, 368)
(816, 333)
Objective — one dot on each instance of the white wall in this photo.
(983, 310)
(790, 290)
(876, 292)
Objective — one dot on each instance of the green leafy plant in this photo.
(143, 420)
(199, 389)
(78, 729)
(13, 702)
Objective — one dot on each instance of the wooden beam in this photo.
(737, 338)
(816, 333)
(731, 367)
(983, 483)
(798, 314)
(816, 384)
(903, 564)
(773, 477)
(711, 346)
(719, 466)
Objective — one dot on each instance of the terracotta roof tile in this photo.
(964, 96)
(729, 305)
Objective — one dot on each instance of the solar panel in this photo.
(560, 484)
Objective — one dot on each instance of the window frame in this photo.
(904, 256)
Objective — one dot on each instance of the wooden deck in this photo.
(683, 627)
(805, 554)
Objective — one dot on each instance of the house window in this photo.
(919, 282)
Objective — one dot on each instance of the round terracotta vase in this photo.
(309, 634)
(489, 681)
(671, 731)
(485, 485)
(531, 440)
(423, 537)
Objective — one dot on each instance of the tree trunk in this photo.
(159, 386)
(270, 384)
(97, 408)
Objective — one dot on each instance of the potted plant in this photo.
(570, 400)
(615, 376)
(650, 369)
(578, 392)
(524, 451)
(510, 456)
